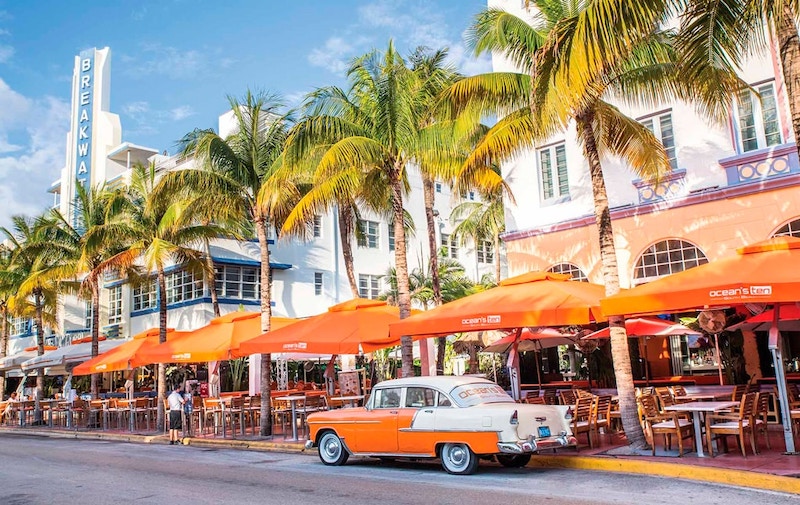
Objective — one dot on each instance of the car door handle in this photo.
(428, 411)
(393, 412)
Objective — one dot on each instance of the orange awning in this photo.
(347, 328)
(766, 272)
(219, 340)
(125, 356)
(528, 300)
(646, 327)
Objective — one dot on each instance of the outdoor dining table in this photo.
(702, 397)
(351, 399)
(697, 409)
(292, 399)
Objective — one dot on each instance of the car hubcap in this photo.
(458, 456)
(331, 448)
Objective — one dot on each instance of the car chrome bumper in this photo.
(529, 446)
(309, 444)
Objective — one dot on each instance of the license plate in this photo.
(544, 431)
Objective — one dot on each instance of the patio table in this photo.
(697, 409)
(351, 399)
(293, 399)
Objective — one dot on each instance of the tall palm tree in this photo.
(371, 131)
(157, 231)
(6, 292)
(248, 164)
(574, 56)
(85, 248)
(723, 33)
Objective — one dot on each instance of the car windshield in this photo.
(468, 395)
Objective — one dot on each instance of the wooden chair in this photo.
(760, 415)
(534, 398)
(567, 397)
(601, 415)
(582, 417)
(678, 391)
(550, 397)
(665, 398)
(738, 391)
(668, 424)
(738, 424)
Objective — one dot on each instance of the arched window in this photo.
(667, 257)
(568, 268)
(792, 229)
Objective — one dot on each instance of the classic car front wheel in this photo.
(331, 449)
(459, 459)
(513, 460)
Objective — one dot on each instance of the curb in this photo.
(740, 478)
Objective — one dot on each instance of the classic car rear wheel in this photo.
(331, 449)
(513, 460)
(459, 459)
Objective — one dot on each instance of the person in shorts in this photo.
(175, 402)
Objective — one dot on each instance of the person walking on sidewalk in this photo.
(175, 402)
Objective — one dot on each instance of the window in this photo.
(317, 283)
(420, 397)
(19, 326)
(449, 249)
(115, 305)
(661, 126)
(237, 282)
(369, 286)
(568, 268)
(317, 226)
(370, 234)
(144, 296)
(391, 237)
(553, 172)
(183, 286)
(758, 118)
(87, 314)
(667, 257)
(791, 229)
(438, 186)
(485, 252)
(471, 196)
(388, 398)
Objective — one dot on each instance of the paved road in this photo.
(36, 470)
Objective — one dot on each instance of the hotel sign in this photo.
(83, 128)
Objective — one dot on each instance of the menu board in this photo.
(349, 383)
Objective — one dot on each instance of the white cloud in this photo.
(182, 112)
(295, 98)
(333, 56)
(159, 60)
(40, 126)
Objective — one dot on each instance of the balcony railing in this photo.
(760, 165)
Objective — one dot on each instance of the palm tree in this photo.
(574, 56)
(6, 292)
(247, 165)
(722, 33)
(85, 248)
(372, 131)
(157, 230)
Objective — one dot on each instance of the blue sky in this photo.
(175, 61)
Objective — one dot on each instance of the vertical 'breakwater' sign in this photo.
(83, 129)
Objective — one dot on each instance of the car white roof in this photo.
(443, 382)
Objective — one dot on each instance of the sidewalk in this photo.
(769, 470)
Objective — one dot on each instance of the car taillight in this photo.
(568, 415)
(514, 418)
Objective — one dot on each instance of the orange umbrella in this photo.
(125, 356)
(347, 328)
(646, 327)
(765, 272)
(219, 340)
(532, 299)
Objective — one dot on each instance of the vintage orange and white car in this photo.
(457, 419)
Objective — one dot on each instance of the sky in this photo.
(174, 62)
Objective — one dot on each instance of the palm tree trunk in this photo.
(608, 257)
(95, 332)
(3, 343)
(789, 49)
(346, 238)
(265, 428)
(162, 337)
(429, 195)
(37, 300)
(401, 265)
(211, 278)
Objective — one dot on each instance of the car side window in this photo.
(444, 401)
(388, 398)
(420, 397)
